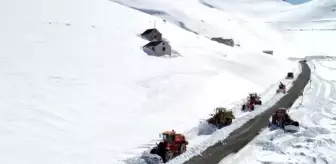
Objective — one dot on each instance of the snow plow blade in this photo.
(291, 128)
(281, 91)
(287, 125)
(151, 158)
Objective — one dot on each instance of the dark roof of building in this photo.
(221, 39)
(148, 31)
(153, 43)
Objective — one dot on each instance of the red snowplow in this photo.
(172, 145)
(281, 119)
(252, 100)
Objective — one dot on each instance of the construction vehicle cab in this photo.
(168, 136)
(220, 109)
(172, 138)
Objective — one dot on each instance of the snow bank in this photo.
(315, 141)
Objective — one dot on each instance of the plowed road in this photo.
(240, 137)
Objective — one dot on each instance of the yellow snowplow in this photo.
(221, 118)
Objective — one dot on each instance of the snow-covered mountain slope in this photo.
(76, 86)
(315, 142)
(229, 19)
(313, 10)
(250, 9)
(296, 30)
(310, 26)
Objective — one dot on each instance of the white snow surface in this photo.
(241, 20)
(205, 135)
(311, 28)
(315, 141)
(76, 87)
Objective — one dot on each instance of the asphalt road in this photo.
(240, 137)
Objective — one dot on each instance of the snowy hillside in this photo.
(310, 26)
(239, 20)
(76, 87)
(315, 142)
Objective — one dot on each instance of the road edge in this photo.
(247, 132)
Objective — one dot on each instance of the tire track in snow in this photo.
(300, 147)
(328, 67)
(323, 101)
(323, 91)
(328, 109)
(318, 103)
(311, 142)
(306, 146)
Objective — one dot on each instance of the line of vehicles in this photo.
(173, 144)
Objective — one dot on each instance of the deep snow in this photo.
(77, 88)
(242, 20)
(301, 30)
(310, 27)
(205, 135)
(315, 141)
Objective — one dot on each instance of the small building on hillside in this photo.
(228, 42)
(152, 35)
(268, 52)
(157, 48)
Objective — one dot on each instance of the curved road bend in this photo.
(241, 136)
